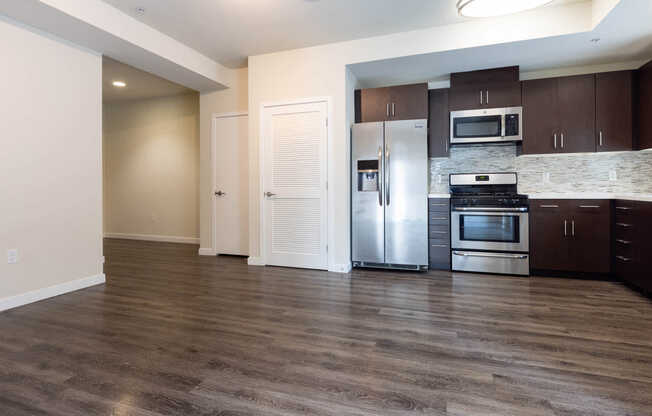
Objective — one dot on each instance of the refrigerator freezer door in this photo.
(367, 204)
(406, 192)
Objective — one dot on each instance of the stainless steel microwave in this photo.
(487, 125)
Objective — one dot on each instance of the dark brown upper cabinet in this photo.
(540, 116)
(559, 115)
(613, 107)
(438, 124)
(404, 102)
(577, 113)
(491, 88)
(485, 76)
(644, 101)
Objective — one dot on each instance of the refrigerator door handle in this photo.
(388, 172)
(380, 175)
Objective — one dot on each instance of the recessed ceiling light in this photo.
(140, 10)
(595, 40)
(119, 84)
(489, 8)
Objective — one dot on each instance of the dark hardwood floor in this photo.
(175, 334)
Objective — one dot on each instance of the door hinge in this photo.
(326, 121)
(327, 248)
(327, 185)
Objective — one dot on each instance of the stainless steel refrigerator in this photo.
(389, 194)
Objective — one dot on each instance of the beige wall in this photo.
(321, 71)
(151, 168)
(234, 99)
(50, 162)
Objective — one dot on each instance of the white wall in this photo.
(230, 100)
(321, 71)
(151, 168)
(50, 163)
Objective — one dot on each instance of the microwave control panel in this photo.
(511, 125)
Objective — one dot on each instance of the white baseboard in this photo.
(207, 252)
(255, 261)
(340, 268)
(49, 292)
(154, 237)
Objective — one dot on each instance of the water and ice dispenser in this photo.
(368, 175)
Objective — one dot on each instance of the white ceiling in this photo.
(625, 37)
(140, 84)
(229, 31)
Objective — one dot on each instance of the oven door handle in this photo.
(490, 209)
(492, 255)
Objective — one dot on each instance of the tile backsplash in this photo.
(580, 172)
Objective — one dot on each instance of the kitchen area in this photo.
(526, 177)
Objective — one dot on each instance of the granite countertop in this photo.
(576, 195)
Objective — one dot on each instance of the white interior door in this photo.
(231, 193)
(295, 199)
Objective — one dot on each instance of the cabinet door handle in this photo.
(600, 138)
(625, 242)
(622, 224)
(573, 228)
(481, 97)
(445, 144)
(487, 97)
(439, 245)
(549, 206)
(555, 140)
(624, 208)
(387, 110)
(589, 206)
(439, 232)
(393, 110)
(625, 259)
(562, 140)
(565, 228)
(438, 205)
(439, 218)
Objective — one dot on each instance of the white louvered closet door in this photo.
(295, 185)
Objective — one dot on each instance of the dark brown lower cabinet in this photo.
(632, 243)
(439, 234)
(570, 235)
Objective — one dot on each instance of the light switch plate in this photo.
(613, 175)
(546, 177)
(12, 256)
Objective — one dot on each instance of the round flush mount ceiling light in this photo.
(119, 84)
(490, 8)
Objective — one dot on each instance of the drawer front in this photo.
(624, 230)
(438, 205)
(438, 218)
(440, 255)
(439, 232)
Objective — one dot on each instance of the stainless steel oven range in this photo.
(489, 224)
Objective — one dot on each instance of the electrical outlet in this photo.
(613, 175)
(546, 177)
(439, 179)
(12, 256)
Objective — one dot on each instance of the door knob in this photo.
(269, 194)
(220, 193)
